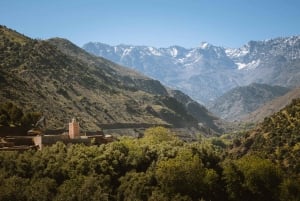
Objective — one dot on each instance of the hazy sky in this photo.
(159, 23)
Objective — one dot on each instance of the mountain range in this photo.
(207, 72)
(62, 81)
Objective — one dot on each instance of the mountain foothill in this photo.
(60, 80)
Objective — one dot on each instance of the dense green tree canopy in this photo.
(156, 167)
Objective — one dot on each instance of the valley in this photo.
(228, 131)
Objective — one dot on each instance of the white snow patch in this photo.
(235, 53)
(126, 51)
(248, 66)
(174, 52)
(154, 51)
(189, 54)
(204, 45)
(241, 65)
(180, 60)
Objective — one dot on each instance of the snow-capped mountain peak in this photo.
(204, 45)
(208, 71)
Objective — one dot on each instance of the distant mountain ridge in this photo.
(209, 71)
(272, 106)
(62, 81)
(240, 101)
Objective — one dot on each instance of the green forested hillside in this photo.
(276, 138)
(156, 167)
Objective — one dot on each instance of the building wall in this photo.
(48, 140)
(74, 131)
(38, 141)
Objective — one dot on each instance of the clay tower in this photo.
(74, 129)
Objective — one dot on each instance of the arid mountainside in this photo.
(241, 101)
(272, 106)
(62, 81)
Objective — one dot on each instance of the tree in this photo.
(136, 186)
(29, 119)
(183, 174)
(252, 178)
(158, 135)
(41, 189)
(4, 120)
(290, 190)
(12, 188)
(83, 188)
(15, 114)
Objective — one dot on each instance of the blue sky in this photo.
(158, 23)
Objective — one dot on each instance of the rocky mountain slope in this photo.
(203, 73)
(240, 101)
(208, 71)
(272, 106)
(62, 81)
